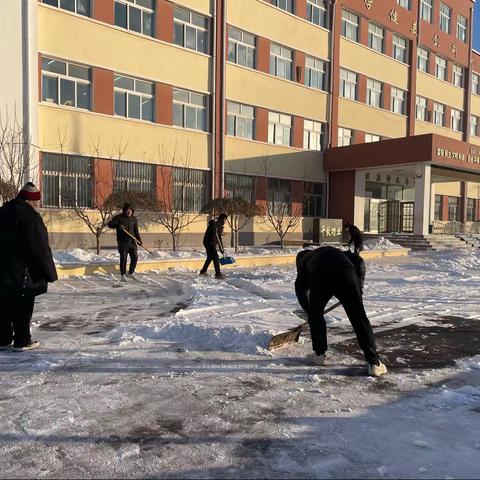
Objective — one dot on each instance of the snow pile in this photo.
(381, 243)
(447, 398)
(472, 363)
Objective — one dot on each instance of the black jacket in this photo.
(213, 235)
(325, 263)
(130, 224)
(26, 262)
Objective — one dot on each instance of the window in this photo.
(369, 138)
(189, 110)
(348, 84)
(240, 186)
(404, 3)
(67, 181)
(471, 210)
(398, 101)
(456, 120)
(136, 15)
(375, 37)
(344, 137)
(240, 120)
(473, 125)
(349, 25)
(423, 60)
(457, 78)
(453, 210)
(279, 128)
(421, 110)
(439, 114)
(281, 61)
(286, 5)
(82, 7)
(241, 47)
(133, 98)
(462, 25)
(374, 93)
(314, 200)
(438, 207)
(475, 84)
(315, 73)
(441, 68)
(133, 177)
(445, 14)
(312, 135)
(426, 8)
(190, 30)
(191, 189)
(65, 83)
(278, 196)
(317, 12)
(399, 49)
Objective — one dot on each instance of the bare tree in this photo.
(239, 213)
(17, 157)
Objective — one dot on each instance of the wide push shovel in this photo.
(292, 336)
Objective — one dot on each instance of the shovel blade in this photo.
(286, 338)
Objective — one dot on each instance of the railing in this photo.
(454, 228)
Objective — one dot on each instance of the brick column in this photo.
(387, 43)
(444, 208)
(163, 104)
(477, 209)
(299, 67)
(431, 63)
(103, 11)
(341, 195)
(297, 137)
(102, 81)
(448, 116)
(429, 110)
(362, 88)
(261, 193)
(363, 38)
(463, 201)
(261, 124)
(103, 175)
(301, 8)
(297, 188)
(387, 96)
(263, 55)
(449, 72)
(412, 91)
(358, 137)
(164, 21)
(164, 185)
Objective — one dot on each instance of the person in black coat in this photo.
(327, 272)
(127, 246)
(212, 239)
(26, 267)
(354, 237)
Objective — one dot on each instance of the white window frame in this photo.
(136, 91)
(281, 57)
(456, 120)
(193, 103)
(475, 83)
(439, 114)
(474, 125)
(426, 10)
(242, 45)
(136, 5)
(240, 120)
(462, 28)
(398, 100)
(345, 137)
(423, 60)
(404, 4)
(399, 48)
(317, 12)
(441, 68)
(192, 25)
(421, 109)
(85, 9)
(445, 17)
(279, 129)
(376, 37)
(313, 134)
(286, 5)
(371, 138)
(348, 84)
(374, 93)
(315, 73)
(457, 75)
(350, 23)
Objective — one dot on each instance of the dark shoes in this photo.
(220, 276)
(6, 347)
(203, 274)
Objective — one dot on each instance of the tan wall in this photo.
(86, 133)
(473, 190)
(476, 105)
(442, 92)
(422, 128)
(110, 47)
(250, 87)
(267, 21)
(360, 59)
(248, 157)
(448, 188)
(475, 140)
(359, 116)
(201, 6)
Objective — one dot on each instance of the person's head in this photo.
(222, 217)
(31, 194)
(128, 209)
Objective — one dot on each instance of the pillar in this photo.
(463, 202)
(422, 199)
(432, 202)
(359, 202)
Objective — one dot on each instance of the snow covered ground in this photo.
(168, 376)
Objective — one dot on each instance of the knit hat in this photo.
(30, 192)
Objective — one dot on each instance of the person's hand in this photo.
(140, 242)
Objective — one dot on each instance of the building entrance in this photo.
(389, 216)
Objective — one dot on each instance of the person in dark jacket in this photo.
(354, 237)
(26, 267)
(327, 272)
(127, 246)
(212, 239)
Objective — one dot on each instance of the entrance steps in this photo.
(423, 242)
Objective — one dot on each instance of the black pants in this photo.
(345, 285)
(15, 317)
(212, 256)
(125, 249)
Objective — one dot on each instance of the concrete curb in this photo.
(68, 270)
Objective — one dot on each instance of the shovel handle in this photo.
(136, 240)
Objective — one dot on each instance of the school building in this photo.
(363, 110)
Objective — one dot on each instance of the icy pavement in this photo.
(168, 376)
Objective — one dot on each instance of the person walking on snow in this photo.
(26, 267)
(127, 246)
(212, 239)
(322, 274)
(354, 237)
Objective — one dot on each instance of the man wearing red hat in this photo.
(26, 266)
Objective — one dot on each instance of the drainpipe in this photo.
(214, 98)
(26, 89)
(223, 109)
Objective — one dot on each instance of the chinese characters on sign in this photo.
(473, 157)
(394, 16)
(453, 50)
(436, 40)
(414, 29)
(368, 4)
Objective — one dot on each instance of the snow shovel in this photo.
(136, 241)
(227, 260)
(292, 336)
